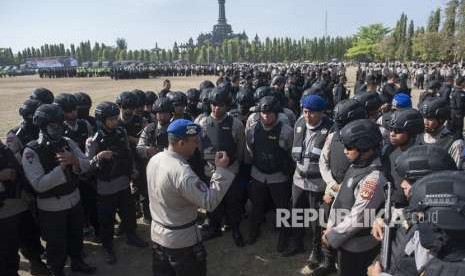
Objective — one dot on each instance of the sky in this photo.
(26, 23)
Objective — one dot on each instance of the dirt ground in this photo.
(224, 258)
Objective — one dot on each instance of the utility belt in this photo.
(308, 174)
(180, 227)
(164, 254)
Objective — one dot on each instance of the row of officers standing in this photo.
(78, 169)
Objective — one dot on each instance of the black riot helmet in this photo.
(361, 134)
(49, 118)
(104, 111)
(220, 96)
(204, 100)
(419, 161)
(126, 100)
(140, 96)
(245, 97)
(261, 92)
(347, 111)
(150, 98)
(435, 109)
(193, 96)
(441, 196)
(83, 99)
(27, 109)
(205, 85)
(42, 95)
(370, 100)
(177, 98)
(269, 104)
(66, 101)
(163, 104)
(409, 120)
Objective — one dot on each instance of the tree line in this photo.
(442, 39)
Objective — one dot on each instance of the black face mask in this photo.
(55, 132)
(432, 238)
(83, 113)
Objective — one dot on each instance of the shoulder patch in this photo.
(29, 156)
(201, 186)
(368, 188)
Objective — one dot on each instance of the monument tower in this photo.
(221, 30)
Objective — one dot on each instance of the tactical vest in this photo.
(338, 161)
(158, 137)
(8, 161)
(48, 160)
(267, 154)
(437, 267)
(26, 134)
(389, 159)
(401, 264)
(345, 199)
(300, 152)
(220, 137)
(445, 140)
(121, 163)
(79, 135)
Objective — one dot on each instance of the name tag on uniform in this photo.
(226, 128)
(316, 151)
(272, 137)
(299, 129)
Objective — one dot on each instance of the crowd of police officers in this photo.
(282, 138)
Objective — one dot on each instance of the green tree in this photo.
(366, 45)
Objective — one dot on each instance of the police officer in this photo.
(150, 98)
(435, 113)
(42, 95)
(244, 101)
(269, 144)
(79, 130)
(255, 117)
(112, 159)
(404, 127)
(333, 165)
(26, 131)
(133, 125)
(361, 191)
(372, 102)
(179, 101)
(411, 166)
(437, 245)
(221, 132)
(457, 104)
(166, 88)
(154, 139)
(51, 164)
(140, 105)
(16, 140)
(193, 97)
(310, 134)
(11, 208)
(84, 103)
(176, 193)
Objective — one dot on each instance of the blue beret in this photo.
(313, 103)
(182, 128)
(401, 100)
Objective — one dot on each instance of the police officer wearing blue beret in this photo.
(176, 193)
(310, 134)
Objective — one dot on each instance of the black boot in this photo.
(109, 256)
(38, 268)
(78, 265)
(327, 267)
(315, 257)
(283, 241)
(133, 239)
(295, 247)
(237, 237)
